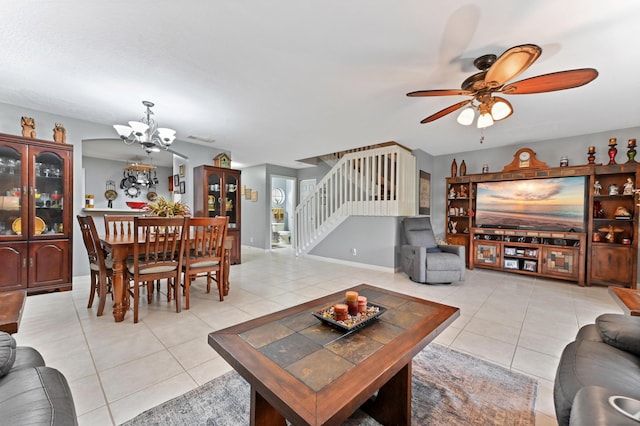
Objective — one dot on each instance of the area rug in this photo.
(449, 388)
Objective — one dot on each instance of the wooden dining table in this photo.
(120, 247)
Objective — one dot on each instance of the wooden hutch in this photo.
(217, 193)
(606, 252)
(36, 214)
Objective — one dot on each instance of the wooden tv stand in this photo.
(559, 255)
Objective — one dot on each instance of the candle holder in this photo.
(612, 151)
(591, 155)
(631, 151)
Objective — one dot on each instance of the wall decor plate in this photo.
(16, 226)
(152, 196)
(110, 194)
(132, 192)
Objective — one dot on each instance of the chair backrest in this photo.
(92, 243)
(206, 238)
(418, 232)
(118, 224)
(158, 245)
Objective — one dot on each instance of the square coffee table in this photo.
(311, 373)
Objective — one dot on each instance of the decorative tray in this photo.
(352, 323)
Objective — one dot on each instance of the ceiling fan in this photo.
(494, 73)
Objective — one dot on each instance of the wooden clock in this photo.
(525, 159)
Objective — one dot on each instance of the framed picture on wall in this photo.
(181, 170)
(176, 181)
(424, 206)
(170, 183)
(182, 187)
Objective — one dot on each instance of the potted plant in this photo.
(165, 208)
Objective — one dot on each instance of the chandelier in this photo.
(146, 132)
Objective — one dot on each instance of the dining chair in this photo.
(158, 253)
(118, 224)
(99, 264)
(205, 252)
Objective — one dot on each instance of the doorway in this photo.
(283, 204)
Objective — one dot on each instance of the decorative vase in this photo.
(463, 169)
(612, 151)
(454, 168)
(631, 153)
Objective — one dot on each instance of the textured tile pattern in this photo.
(516, 321)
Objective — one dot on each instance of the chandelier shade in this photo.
(146, 132)
(490, 109)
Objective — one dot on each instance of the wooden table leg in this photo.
(262, 413)
(119, 291)
(228, 244)
(392, 405)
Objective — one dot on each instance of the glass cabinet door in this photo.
(231, 200)
(214, 194)
(13, 185)
(48, 193)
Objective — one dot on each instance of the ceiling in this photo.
(278, 81)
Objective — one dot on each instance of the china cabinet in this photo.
(36, 214)
(217, 193)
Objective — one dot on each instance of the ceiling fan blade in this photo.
(511, 64)
(446, 111)
(442, 92)
(551, 82)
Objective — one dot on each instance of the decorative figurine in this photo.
(628, 187)
(612, 151)
(622, 212)
(596, 188)
(463, 191)
(60, 133)
(611, 232)
(613, 189)
(28, 127)
(453, 226)
(631, 153)
(452, 193)
(591, 155)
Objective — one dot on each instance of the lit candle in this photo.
(362, 304)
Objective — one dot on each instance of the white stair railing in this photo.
(375, 182)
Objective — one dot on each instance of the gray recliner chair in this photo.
(424, 260)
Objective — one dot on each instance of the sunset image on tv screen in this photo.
(545, 204)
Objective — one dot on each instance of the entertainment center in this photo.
(576, 223)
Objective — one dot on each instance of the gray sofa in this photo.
(423, 260)
(30, 392)
(603, 361)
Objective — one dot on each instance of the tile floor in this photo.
(118, 370)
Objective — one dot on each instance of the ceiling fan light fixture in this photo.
(501, 109)
(466, 116)
(485, 120)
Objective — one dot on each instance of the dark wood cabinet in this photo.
(613, 226)
(605, 253)
(36, 214)
(217, 193)
(559, 255)
(460, 208)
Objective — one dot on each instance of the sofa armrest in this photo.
(458, 251)
(591, 407)
(413, 260)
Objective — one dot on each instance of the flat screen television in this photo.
(546, 204)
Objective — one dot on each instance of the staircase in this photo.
(374, 182)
